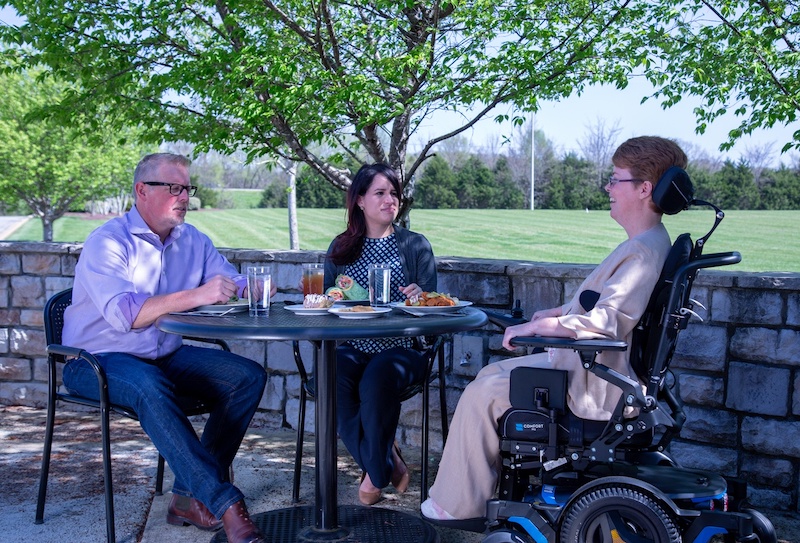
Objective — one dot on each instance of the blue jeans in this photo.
(231, 385)
(368, 391)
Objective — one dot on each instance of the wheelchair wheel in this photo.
(507, 536)
(611, 514)
(762, 527)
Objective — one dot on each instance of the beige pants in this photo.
(470, 463)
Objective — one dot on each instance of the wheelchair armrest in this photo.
(596, 345)
(503, 320)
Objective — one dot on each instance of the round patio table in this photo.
(330, 522)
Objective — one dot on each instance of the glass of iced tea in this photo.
(313, 279)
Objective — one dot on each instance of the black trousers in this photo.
(368, 403)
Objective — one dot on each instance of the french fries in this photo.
(431, 299)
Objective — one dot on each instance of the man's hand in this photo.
(218, 290)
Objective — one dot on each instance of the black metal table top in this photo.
(282, 324)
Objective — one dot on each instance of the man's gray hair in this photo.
(148, 166)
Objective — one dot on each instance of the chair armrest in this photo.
(503, 320)
(596, 345)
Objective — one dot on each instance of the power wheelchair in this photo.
(564, 479)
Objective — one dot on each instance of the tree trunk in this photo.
(47, 228)
(294, 236)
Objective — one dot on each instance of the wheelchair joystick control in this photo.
(516, 311)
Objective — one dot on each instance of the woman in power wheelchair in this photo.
(581, 455)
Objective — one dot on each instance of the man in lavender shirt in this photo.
(132, 270)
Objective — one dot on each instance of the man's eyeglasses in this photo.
(613, 180)
(174, 188)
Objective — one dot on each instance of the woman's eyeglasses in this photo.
(174, 188)
(613, 180)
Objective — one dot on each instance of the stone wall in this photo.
(738, 370)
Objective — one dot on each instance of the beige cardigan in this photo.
(625, 280)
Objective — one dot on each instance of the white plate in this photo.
(300, 310)
(348, 313)
(427, 309)
(222, 308)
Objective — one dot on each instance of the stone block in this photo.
(701, 389)
(54, 285)
(789, 347)
(691, 455)
(758, 389)
(767, 471)
(254, 350)
(755, 344)
(15, 369)
(274, 395)
(41, 264)
(536, 295)
(29, 394)
(27, 291)
(9, 317)
(492, 290)
(40, 372)
(773, 437)
(767, 498)
(793, 309)
(4, 345)
(796, 395)
(701, 347)
(468, 354)
(28, 342)
(10, 264)
(32, 317)
(68, 263)
(280, 357)
(293, 410)
(710, 426)
(745, 306)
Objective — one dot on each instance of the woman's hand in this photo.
(411, 290)
(543, 323)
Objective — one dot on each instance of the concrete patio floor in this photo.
(74, 509)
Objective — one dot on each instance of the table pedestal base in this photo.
(357, 524)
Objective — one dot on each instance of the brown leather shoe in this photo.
(238, 526)
(183, 511)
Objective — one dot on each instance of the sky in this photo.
(568, 121)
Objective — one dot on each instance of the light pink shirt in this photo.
(122, 264)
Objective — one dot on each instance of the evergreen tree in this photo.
(507, 193)
(781, 189)
(436, 186)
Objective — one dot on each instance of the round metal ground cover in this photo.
(358, 525)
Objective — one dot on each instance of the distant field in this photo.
(768, 240)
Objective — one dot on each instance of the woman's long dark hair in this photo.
(349, 243)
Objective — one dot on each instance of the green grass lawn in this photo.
(768, 240)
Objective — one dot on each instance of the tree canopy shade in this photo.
(296, 78)
(737, 55)
(49, 166)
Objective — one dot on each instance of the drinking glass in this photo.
(313, 279)
(380, 282)
(259, 284)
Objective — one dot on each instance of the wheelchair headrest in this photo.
(674, 191)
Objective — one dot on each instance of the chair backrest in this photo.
(54, 315)
(647, 332)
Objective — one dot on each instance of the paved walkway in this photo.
(10, 223)
(74, 509)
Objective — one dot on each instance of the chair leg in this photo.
(48, 446)
(423, 493)
(443, 397)
(298, 451)
(160, 476)
(109, 485)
